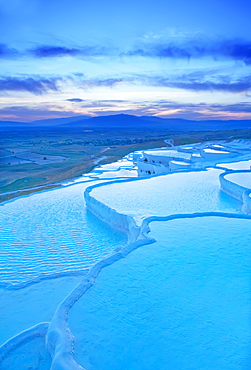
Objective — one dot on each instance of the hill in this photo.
(125, 121)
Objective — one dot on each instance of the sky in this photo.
(185, 58)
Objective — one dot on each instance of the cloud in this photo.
(6, 52)
(55, 51)
(32, 85)
(87, 83)
(241, 107)
(114, 101)
(192, 83)
(32, 113)
(78, 74)
(39, 85)
(238, 50)
(107, 82)
(199, 111)
(162, 51)
(75, 100)
(103, 103)
(207, 80)
(184, 48)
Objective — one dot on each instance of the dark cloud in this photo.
(237, 50)
(54, 51)
(75, 100)
(6, 52)
(217, 83)
(114, 101)
(172, 105)
(197, 110)
(196, 81)
(28, 114)
(201, 111)
(78, 74)
(32, 85)
(162, 51)
(242, 107)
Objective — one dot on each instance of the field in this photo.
(33, 160)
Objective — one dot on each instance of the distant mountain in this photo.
(13, 124)
(125, 121)
(113, 121)
(43, 122)
(58, 121)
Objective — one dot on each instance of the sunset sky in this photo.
(189, 59)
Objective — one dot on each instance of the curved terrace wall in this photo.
(165, 156)
(179, 165)
(117, 220)
(236, 191)
(247, 201)
(149, 169)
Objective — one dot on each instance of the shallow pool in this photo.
(51, 232)
(240, 178)
(241, 165)
(181, 303)
(176, 193)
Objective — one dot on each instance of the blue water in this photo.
(43, 236)
(175, 193)
(241, 165)
(181, 303)
(51, 232)
(30, 356)
(23, 308)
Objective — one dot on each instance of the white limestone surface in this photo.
(169, 153)
(240, 165)
(175, 193)
(119, 173)
(213, 154)
(240, 178)
(210, 150)
(179, 165)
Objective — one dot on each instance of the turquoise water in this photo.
(31, 356)
(51, 232)
(241, 165)
(241, 178)
(175, 193)
(181, 303)
(44, 238)
(23, 308)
